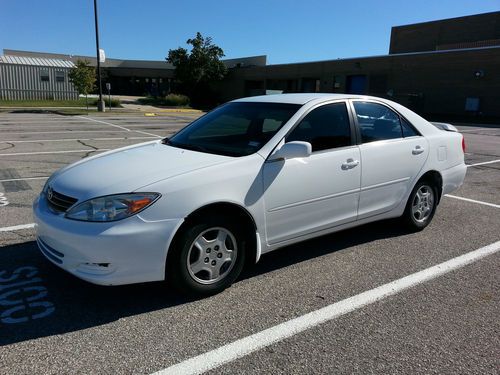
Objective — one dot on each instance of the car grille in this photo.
(59, 202)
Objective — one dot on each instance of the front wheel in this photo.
(421, 206)
(207, 257)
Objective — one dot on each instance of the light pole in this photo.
(100, 103)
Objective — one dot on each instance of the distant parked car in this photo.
(252, 176)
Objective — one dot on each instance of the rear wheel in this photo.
(207, 257)
(421, 206)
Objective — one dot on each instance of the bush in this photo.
(115, 103)
(171, 100)
(176, 100)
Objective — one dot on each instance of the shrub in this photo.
(176, 100)
(116, 103)
(171, 100)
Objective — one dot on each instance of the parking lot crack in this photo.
(9, 146)
(87, 145)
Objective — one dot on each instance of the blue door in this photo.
(356, 84)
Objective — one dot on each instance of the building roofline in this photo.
(35, 61)
(388, 55)
(118, 62)
(17, 52)
(446, 19)
(112, 62)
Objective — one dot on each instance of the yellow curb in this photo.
(148, 114)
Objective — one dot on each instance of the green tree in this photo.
(197, 69)
(83, 77)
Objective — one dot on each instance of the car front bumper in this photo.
(128, 251)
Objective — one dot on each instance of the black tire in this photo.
(179, 271)
(411, 219)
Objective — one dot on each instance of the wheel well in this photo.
(234, 211)
(435, 178)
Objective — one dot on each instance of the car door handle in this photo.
(349, 164)
(417, 150)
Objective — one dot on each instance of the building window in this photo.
(44, 76)
(60, 76)
(311, 85)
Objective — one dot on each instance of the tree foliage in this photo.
(83, 77)
(195, 70)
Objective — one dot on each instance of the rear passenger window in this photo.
(377, 122)
(324, 128)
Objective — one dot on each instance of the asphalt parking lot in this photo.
(51, 322)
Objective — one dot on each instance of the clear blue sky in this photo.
(286, 31)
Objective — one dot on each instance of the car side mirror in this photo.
(292, 150)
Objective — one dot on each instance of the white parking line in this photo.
(55, 152)
(33, 121)
(484, 163)
(103, 122)
(75, 139)
(472, 201)
(257, 341)
(120, 127)
(68, 131)
(147, 133)
(17, 227)
(24, 179)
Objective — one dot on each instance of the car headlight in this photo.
(112, 207)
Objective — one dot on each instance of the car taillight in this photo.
(463, 144)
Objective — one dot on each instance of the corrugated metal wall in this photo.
(24, 82)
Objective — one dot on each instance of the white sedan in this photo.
(252, 176)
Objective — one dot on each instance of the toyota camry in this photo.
(253, 175)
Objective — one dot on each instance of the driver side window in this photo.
(324, 128)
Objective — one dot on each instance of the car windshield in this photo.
(234, 129)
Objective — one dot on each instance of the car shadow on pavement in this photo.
(326, 244)
(37, 299)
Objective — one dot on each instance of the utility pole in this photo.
(100, 103)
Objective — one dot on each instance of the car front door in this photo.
(392, 153)
(304, 195)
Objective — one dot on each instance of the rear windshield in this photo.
(234, 129)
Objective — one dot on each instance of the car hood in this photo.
(128, 169)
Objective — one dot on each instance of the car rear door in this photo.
(304, 195)
(392, 155)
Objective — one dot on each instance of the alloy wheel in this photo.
(423, 203)
(212, 255)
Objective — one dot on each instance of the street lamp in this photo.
(100, 103)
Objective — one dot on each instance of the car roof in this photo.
(298, 98)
